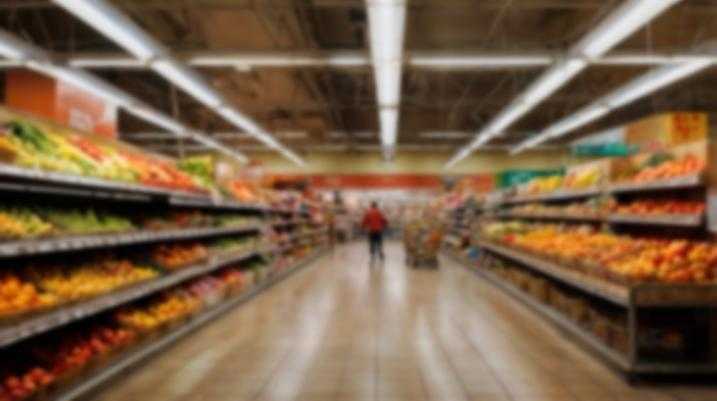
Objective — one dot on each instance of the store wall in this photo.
(410, 162)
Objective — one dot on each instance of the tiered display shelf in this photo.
(114, 367)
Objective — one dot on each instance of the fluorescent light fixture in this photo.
(158, 119)
(466, 61)
(577, 119)
(238, 119)
(115, 26)
(189, 81)
(644, 85)
(120, 29)
(652, 81)
(16, 49)
(99, 61)
(84, 81)
(552, 80)
(623, 22)
(387, 20)
(389, 126)
(250, 60)
(388, 83)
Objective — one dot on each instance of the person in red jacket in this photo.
(374, 222)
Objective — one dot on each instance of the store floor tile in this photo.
(339, 331)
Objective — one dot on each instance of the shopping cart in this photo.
(421, 241)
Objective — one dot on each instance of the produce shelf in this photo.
(585, 337)
(689, 181)
(676, 220)
(551, 216)
(615, 293)
(554, 196)
(83, 242)
(120, 364)
(18, 331)
(37, 176)
(209, 203)
(644, 295)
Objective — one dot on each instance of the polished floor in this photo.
(339, 331)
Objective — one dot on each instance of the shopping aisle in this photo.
(338, 331)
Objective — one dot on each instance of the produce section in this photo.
(615, 252)
(89, 288)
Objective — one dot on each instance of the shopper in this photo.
(375, 223)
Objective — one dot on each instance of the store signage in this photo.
(666, 130)
(60, 102)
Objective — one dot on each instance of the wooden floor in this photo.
(338, 331)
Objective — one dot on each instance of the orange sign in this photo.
(60, 102)
(667, 130)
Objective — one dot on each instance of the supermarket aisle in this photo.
(337, 331)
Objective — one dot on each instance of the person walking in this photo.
(375, 223)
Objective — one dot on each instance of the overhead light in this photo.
(389, 126)
(238, 119)
(84, 81)
(641, 86)
(552, 80)
(292, 59)
(388, 83)
(617, 26)
(387, 20)
(158, 119)
(189, 81)
(115, 26)
(652, 81)
(578, 119)
(459, 61)
(621, 23)
(99, 61)
(120, 29)
(16, 49)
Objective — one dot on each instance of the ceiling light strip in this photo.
(117, 27)
(387, 20)
(39, 60)
(640, 87)
(621, 23)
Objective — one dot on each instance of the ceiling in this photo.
(310, 107)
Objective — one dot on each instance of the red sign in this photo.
(383, 181)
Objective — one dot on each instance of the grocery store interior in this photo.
(358, 200)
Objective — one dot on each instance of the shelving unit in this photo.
(638, 327)
(116, 366)
(16, 330)
(40, 323)
(40, 246)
